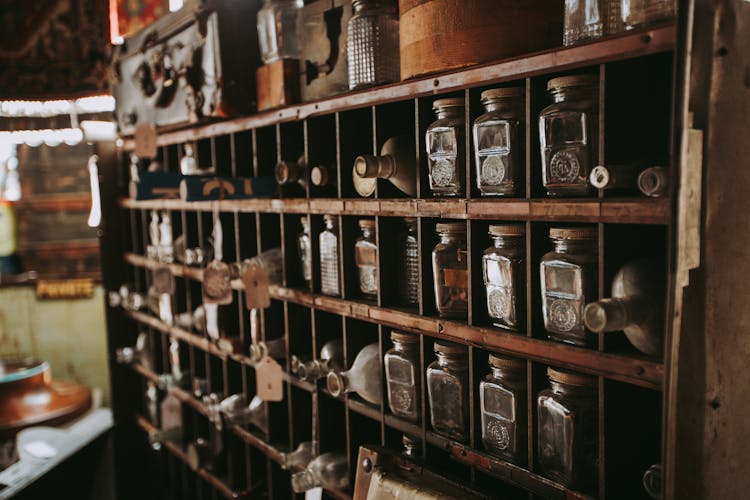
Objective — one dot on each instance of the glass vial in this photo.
(567, 423)
(641, 13)
(448, 390)
(449, 269)
(445, 148)
(329, 257)
(568, 134)
(502, 397)
(279, 29)
(366, 259)
(402, 376)
(372, 43)
(499, 142)
(588, 19)
(304, 250)
(569, 280)
(409, 275)
(504, 271)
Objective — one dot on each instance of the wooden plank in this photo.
(499, 209)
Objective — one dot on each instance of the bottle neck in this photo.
(452, 237)
(368, 233)
(452, 360)
(372, 7)
(330, 226)
(303, 481)
(512, 242)
(575, 93)
(506, 373)
(514, 104)
(564, 245)
(405, 347)
(570, 390)
(450, 112)
(616, 314)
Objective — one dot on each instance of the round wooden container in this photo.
(439, 35)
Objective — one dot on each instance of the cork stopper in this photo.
(450, 227)
(503, 93)
(573, 81)
(570, 378)
(367, 223)
(332, 219)
(499, 361)
(507, 230)
(448, 102)
(444, 347)
(405, 338)
(573, 233)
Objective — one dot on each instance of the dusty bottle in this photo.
(614, 176)
(329, 257)
(396, 163)
(654, 181)
(636, 307)
(152, 250)
(366, 259)
(445, 147)
(140, 353)
(409, 264)
(330, 359)
(291, 172)
(372, 43)
(274, 349)
(304, 250)
(448, 390)
(640, 13)
(322, 176)
(450, 270)
(329, 471)
(402, 375)
(279, 24)
(300, 457)
(504, 270)
(502, 396)
(235, 410)
(188, 165)
(363, 377)
(166, 250)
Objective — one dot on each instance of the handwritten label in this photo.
(269, 384)
(456, 278)
(217, 283)
(145, 140)
(256, 283)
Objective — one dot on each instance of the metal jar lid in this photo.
(502, 93)
(570, 378)
(405, 338)
(499, 361)
(573, 81)
(573, 233)
(448, 102)
(450, 227)
(367, 223)
(445, 347)
(507, 230)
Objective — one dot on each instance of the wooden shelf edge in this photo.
(621, 47)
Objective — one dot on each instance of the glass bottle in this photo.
(448, 390)
(654, 181)
(502, 396)
(409, 262)
(568, 135)
(396, 163)
(322, 176)
(304, 249)
(366, 259)
(330, 359)
(279, 28)
(329, 471)
(291, 173)
(445, 147)
(641, 13)
(329, 257)
(363, 377)
(235, 410)
(567, 423)
(372, 43)
(636, 307)
(402, 370)
(274, 349)
(140, 353)
(504, 272)
(166, 250)
(300, 457)
(500, 142)
(449, 269)
(569, 279)
(587, 19)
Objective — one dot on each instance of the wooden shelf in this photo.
(627, 46)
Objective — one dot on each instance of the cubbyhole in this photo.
(242, 154)
(361, 276)
(358, 335)
(439, 461)
(363, 431)
(222, 153)
(398, 253)
(274, 321)
(321, 156)
(301, 416)
(293, 245)
(236, 477)
(396, 120)
(290, 138)
(229, 246)
(270, 231)
(215, 372)
(233, 377)
(300, 330)
(332, 421)
(246, 235)
(204, 154)
(278, 422)
(266, 155)
(280, 485)
(497, 488)
(197, 367)
(328, 328)
(171, 158)
(317, 226)
(355, 137)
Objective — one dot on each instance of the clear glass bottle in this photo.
(329, 470)
(567, 426)
(166, 249)
(329, 257)
(641, 13)
(330, 359)
(504, 271)
(402, 370)
(500, 142)
(235, 410)
(300, 457)
(304, 250)
(445, 147)
(372, 43)
(569, 135)
(450, 272)
(366, 259)
(279, 29)
(588, 19)
(502, 397)
(654, 182)
(569, 279)
(396, 163)
(363, 377)
(448, 390)
(409, 262)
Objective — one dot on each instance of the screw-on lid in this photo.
(405, 338)
(573, 233)
(570, 378)
(503, 92)
(445, 347)
(499, 361)
(367, 223)
(448, 102)
(507, 230)
(573, 81)
(450, 227)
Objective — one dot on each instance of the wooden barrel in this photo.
(439, 35)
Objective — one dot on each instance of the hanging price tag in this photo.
(145, 140)
(163, 280)
(256, 284)
(269, 384)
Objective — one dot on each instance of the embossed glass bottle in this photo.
(304, 248)
(449, 269)
(499, 142)
(445, 148)
(567, 420)
(568, 135)
(448, 390)
(366, 259)
(329, 257)
(279, 27)
(569, 279)
(640, 13)
(587, 19)
(402, 376)
(372, 43)
(409, 275)
(504, 270)
(502, 396)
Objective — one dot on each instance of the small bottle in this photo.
(412, 447)
(502, 396)
(567, 427)
(188, 165)
(322, 176)
(366, 259)
(304, 249)
(449, 269)
(640, 13)
(235, 410)
(654, 182)
(445, 148)
(279, 30)
(372, 42)
(329, 257)
(291, 172)
(152, 403)
(499, 142)
(329, 471)
(402, 371)
(140, 353)
(152, 250)
(569, 280)
(330, 359)
(166, 250)
(363, 377)
(504, 270)
(300, 457)
(409, 264)
(588, 19)
(396, 163)
(448, 390)
(568, 135)
(274, 349)
(614, 176)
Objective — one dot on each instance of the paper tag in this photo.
(40, 449)
(456, 278)
(217, 283)
(269, 385)
(314, 494)
(257, 295)
(163, 280)
(145, 140)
